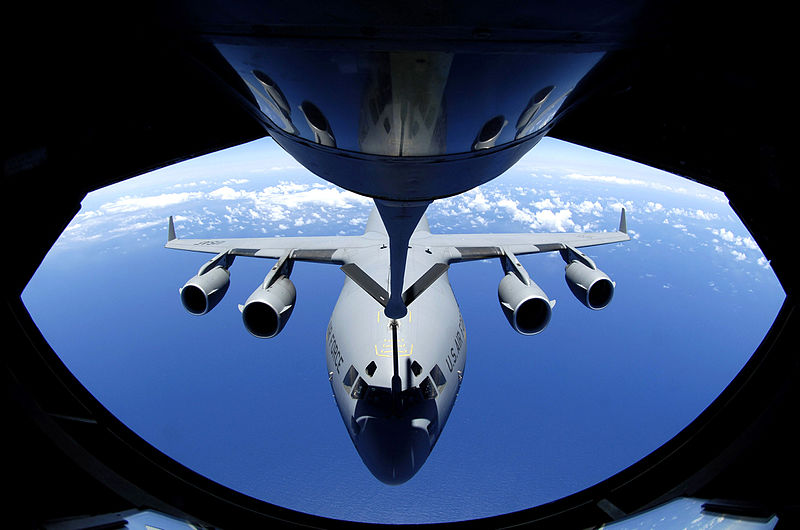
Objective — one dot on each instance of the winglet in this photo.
(623, 223)
(171, 231)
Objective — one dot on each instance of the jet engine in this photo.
(526, 306)
(267, 310)
(590, 285)
(204, 291)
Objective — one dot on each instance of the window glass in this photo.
(694, 297)
(438, 377)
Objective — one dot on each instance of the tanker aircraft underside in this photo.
(395, 380)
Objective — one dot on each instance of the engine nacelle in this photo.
(526, 307)
(591, 286)
(266, 311)
(202, 292)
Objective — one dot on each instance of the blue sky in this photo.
(537, 417)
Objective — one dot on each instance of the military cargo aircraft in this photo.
(395, 380)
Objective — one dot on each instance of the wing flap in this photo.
(316, 249)
(482, 246)
(491, 245)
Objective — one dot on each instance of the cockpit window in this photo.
(371, 367)
(438, 377)
(358, 389)
(350, 376)
(416, 368)
(427, 388)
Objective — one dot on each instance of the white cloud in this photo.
(750, 243)
(557, 200)
(546, 220)
(226, 193)
(135, 227)
(587, 207)
(477, 201)
(560, 221)
(358, 221)
(275, 212)
(705, 216)
(551, 213)
(543, 204)
(693, 189)
(739, 241)
(512, 208)
(278, 168)
(618, 180)
(694, 214)
(738, 256)
(90, 214)
(132, 204)
(296, 195)
(725, 235)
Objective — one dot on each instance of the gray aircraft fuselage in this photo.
(394, 433)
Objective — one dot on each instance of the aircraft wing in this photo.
(481, 246)
(326, 249)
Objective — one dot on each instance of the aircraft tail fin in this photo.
(375, 223)
(423, 226)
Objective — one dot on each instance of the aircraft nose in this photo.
(393, 449)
